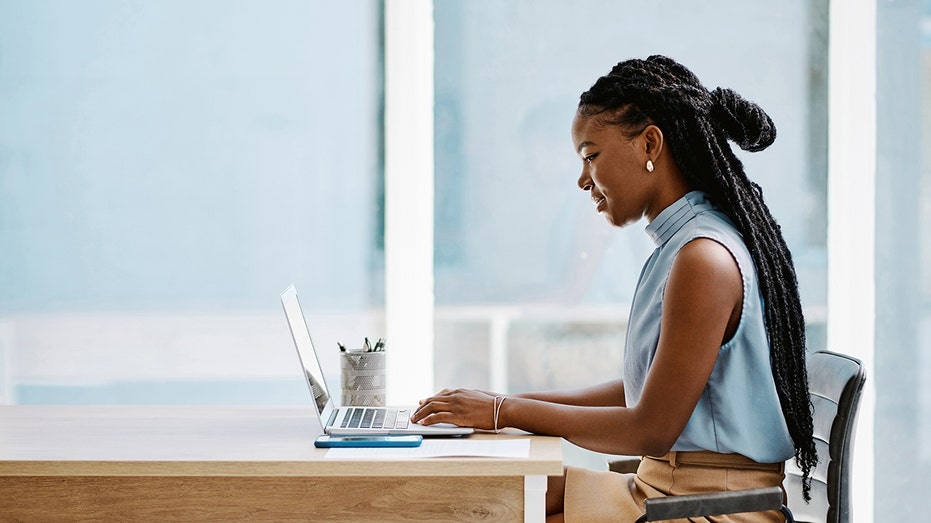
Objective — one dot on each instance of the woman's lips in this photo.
(599, 202)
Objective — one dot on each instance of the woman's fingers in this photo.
(438, 395)
(439, 417)
(429, 407)
(461, 407)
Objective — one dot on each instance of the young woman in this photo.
(714, 393)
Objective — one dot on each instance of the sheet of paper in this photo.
(440, 448)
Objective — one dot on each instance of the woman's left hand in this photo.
(462, 407)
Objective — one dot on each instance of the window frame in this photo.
(852, 214)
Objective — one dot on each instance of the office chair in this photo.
(835, 383)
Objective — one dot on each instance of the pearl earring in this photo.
(649, 165)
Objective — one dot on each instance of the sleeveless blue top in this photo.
(739, 409)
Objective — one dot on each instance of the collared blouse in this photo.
(739, 410)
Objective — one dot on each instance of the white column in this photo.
(409, 199)
(498, 351)
(852, 216)
(534, 499)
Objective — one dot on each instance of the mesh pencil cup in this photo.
(363, 378)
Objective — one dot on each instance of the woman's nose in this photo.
(585, 182)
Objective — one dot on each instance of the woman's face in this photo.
(613, 170)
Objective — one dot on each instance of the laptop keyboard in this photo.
(375, 418)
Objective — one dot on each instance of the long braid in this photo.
(698, 124)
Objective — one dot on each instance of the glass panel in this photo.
(532, 287)
(166, 169)
(903, 259)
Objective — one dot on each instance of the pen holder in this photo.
(363, 378)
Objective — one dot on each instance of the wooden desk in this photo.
(143, 463)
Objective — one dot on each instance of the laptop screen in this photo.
(305, 350)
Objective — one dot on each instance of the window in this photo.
(532, 286)
(903, 259)
(166, 168)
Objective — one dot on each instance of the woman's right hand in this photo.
(461, 407)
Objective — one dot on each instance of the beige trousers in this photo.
(593, 496)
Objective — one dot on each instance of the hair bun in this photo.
(744, 122)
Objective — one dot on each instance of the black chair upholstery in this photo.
(836, 383)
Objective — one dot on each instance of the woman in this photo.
(715, 392)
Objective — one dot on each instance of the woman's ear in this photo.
(652, 142)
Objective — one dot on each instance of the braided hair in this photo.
(697, 125)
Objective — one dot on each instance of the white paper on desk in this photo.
(440, 448)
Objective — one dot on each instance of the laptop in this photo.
(348, 421)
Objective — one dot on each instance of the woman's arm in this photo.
(701, 309)
(602, 395)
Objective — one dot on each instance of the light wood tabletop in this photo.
(210, 463)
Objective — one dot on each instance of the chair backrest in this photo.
(835, 383)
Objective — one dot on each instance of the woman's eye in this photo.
(589, 158)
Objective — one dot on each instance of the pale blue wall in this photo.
(188, 154)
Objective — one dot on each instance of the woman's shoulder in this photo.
(711, 223)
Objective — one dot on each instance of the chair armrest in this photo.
(715, 503)
(624, 466)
